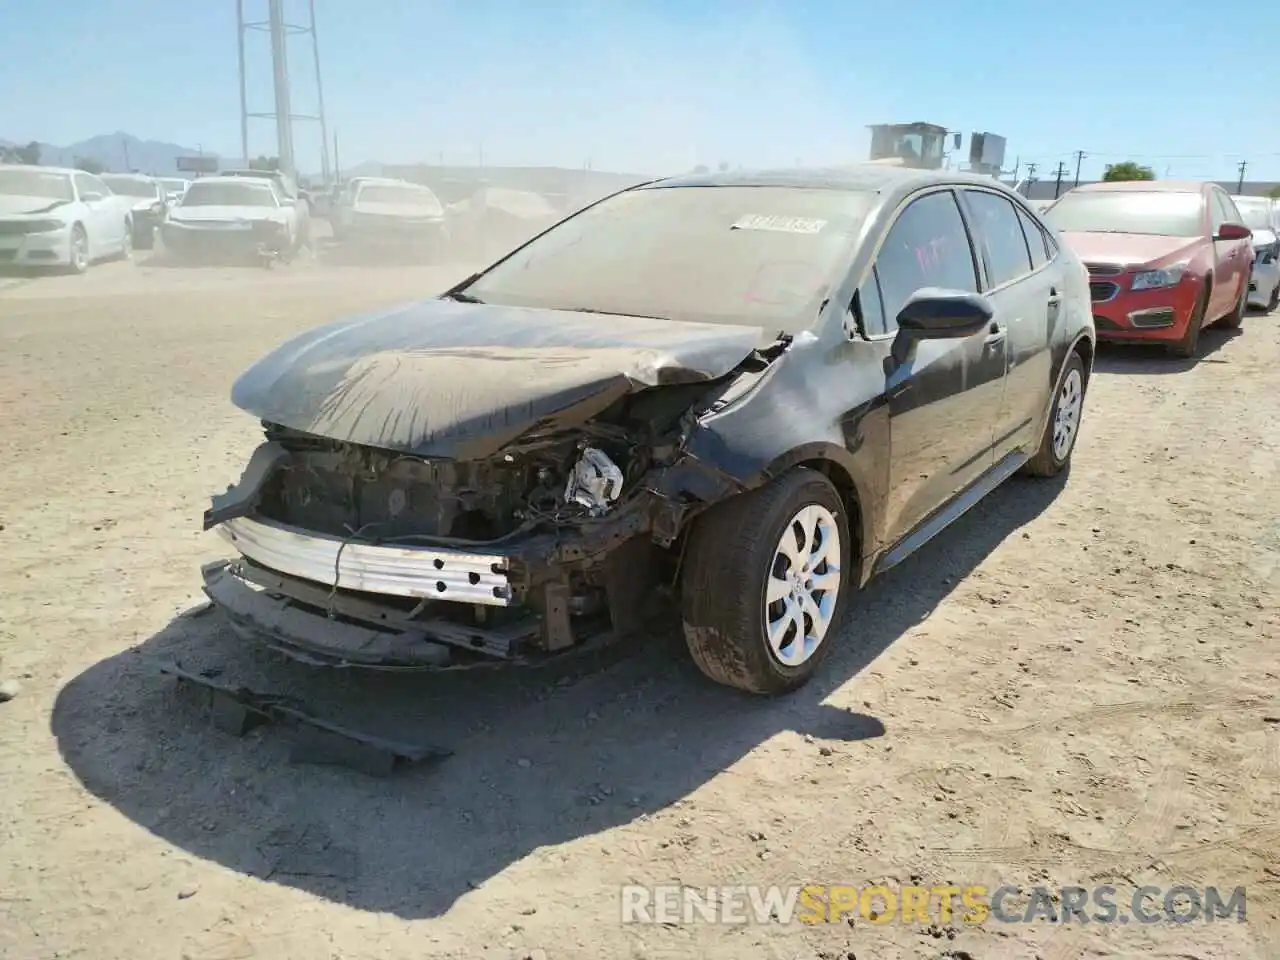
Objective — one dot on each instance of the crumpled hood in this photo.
(18, 205)
(231, 214)
(1126, 249)
(446, 379)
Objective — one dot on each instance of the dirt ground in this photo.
(1077, 685)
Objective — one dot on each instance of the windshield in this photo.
(1256, 213)
(130, 187)
(229, 194)
(396, 193)
(36, 183)
(1154, 212)
(761, 256)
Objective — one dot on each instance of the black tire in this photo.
(79, 259)
(1189, 345)
(1274, 300)
(1234, 319)
(126, 245)
(1048, 461)
(726, 570)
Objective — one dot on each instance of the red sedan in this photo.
(1165, 258)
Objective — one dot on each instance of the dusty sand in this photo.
(1079, 684)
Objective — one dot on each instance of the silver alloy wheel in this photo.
(804, 582)
(1066, 420)
(79, 251)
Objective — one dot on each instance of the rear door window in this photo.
(927, 246)
(1037, 240)
(996, 222)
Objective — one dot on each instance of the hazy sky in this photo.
(659, 86)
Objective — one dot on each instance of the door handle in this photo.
(995, 334)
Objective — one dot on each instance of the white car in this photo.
(395, 213)
(1263, 218)
(232, 217)
(52, 216)
(149, 200)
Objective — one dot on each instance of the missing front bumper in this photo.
(319, 626)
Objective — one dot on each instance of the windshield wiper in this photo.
(461, 297)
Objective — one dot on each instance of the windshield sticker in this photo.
(758, 221)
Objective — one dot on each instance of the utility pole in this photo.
(124, 144)
(1057, 183)
(1031, 176)
(337, 164)
(1244, 165)
(1080, 155)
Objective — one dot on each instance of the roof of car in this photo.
(857, 176)
(1144, 186)
(43, 169)
(223, 178)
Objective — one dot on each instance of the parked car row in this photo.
(1166, 258)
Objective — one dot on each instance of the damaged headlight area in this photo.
(351, 555)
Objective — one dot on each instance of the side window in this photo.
(871, 306)
(996, 221)
(1037, 240)
(84, 184)
(98, 186)
(1050, 245)
(927, 246)
(1217, 212)
(1229, 209)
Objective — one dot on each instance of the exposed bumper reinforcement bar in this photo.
(237, 710)
(399, 571)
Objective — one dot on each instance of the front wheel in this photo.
(1234, 319)
(78, 259)
(765, 583)
(1189, 345)
(1060, 432)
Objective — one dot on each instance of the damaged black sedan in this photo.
(747, 393)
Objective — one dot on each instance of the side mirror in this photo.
(1233, 231)
(936, 314)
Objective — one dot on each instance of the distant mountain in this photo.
(119, 152)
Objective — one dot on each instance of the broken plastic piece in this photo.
(594, 483)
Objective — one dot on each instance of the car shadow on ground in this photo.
(540, 759)
(1148, 360)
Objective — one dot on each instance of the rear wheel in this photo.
(765, 583)
(1189, 345)
(1060, 432)
(1274, 300)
